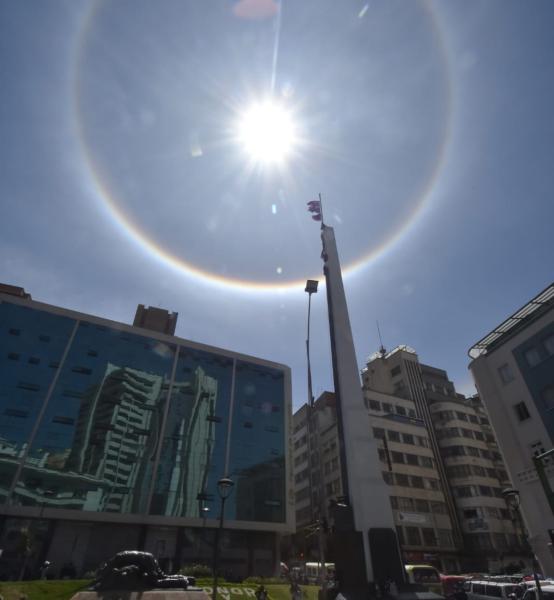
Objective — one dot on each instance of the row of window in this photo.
(391, 409)
(414, 481)
(450, 415)
(40, 338)
(404, 458)
(450, 432)
(480, 512)
(471, 470)
(449, 451)
(404, 438)
(417, 505)
(472, 491)
(425, 536)
(487, 541)
(439, 388)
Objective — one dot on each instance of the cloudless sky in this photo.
(427, 127)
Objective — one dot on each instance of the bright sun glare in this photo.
(266, 131)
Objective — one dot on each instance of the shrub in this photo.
(265, 580)
(196, 570)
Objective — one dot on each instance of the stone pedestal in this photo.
(143, 595)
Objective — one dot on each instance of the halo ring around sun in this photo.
(109, 202)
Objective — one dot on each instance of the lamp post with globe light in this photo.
(224, 489)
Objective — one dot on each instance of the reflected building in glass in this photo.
(114, 436)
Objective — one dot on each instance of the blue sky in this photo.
(427, 127)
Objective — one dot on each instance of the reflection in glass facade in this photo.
(100, 419)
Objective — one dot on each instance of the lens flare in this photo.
(267, 132)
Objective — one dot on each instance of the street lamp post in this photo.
(224, 489)
(511, 496)
(311, 288)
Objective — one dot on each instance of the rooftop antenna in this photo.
(382, 350)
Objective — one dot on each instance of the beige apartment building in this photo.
(438, 455)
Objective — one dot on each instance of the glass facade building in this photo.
(100, 419)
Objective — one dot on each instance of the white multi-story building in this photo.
(513, 368)
(438, 455)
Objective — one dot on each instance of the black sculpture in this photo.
(135, 570)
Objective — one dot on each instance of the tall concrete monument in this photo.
(365, 543)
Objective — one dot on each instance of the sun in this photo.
(267, 132)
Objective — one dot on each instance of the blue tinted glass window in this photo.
(257, 448)
(193, 449)
(96, 444)
(25, 376)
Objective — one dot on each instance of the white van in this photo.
(489, 590)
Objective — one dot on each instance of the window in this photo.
(394, 502)
(432, 484)
(547, 395)
(402, 480)
(461, 416)
(521, 411)
(32, 387)
(412, 536)
(14, 412)
(505, 373)
(549, 344)
(374, 405)
(472, 451)
(537, 448)
(412, 413)
(426, 461)
(445, 537)
(412, 459)
(473, 419)
(393, 436)
(532, 357)
(479, 436)
(33, 360)
(13, 356)
(14, 331)
(378, 433)
(470, 513)
(397, 457)
(429, 538)
(438, 507)
(387, 407)
(382, 455)
(387, 477)
(395, 371)
(44, 338)
(400, 410)
(408, 438)
(82, 370)
(421, 505)
(417, 482)
(63, 420)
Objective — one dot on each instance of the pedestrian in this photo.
(295, 591)
(261, 593)
(44, 570)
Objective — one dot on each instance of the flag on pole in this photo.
(314, 206)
